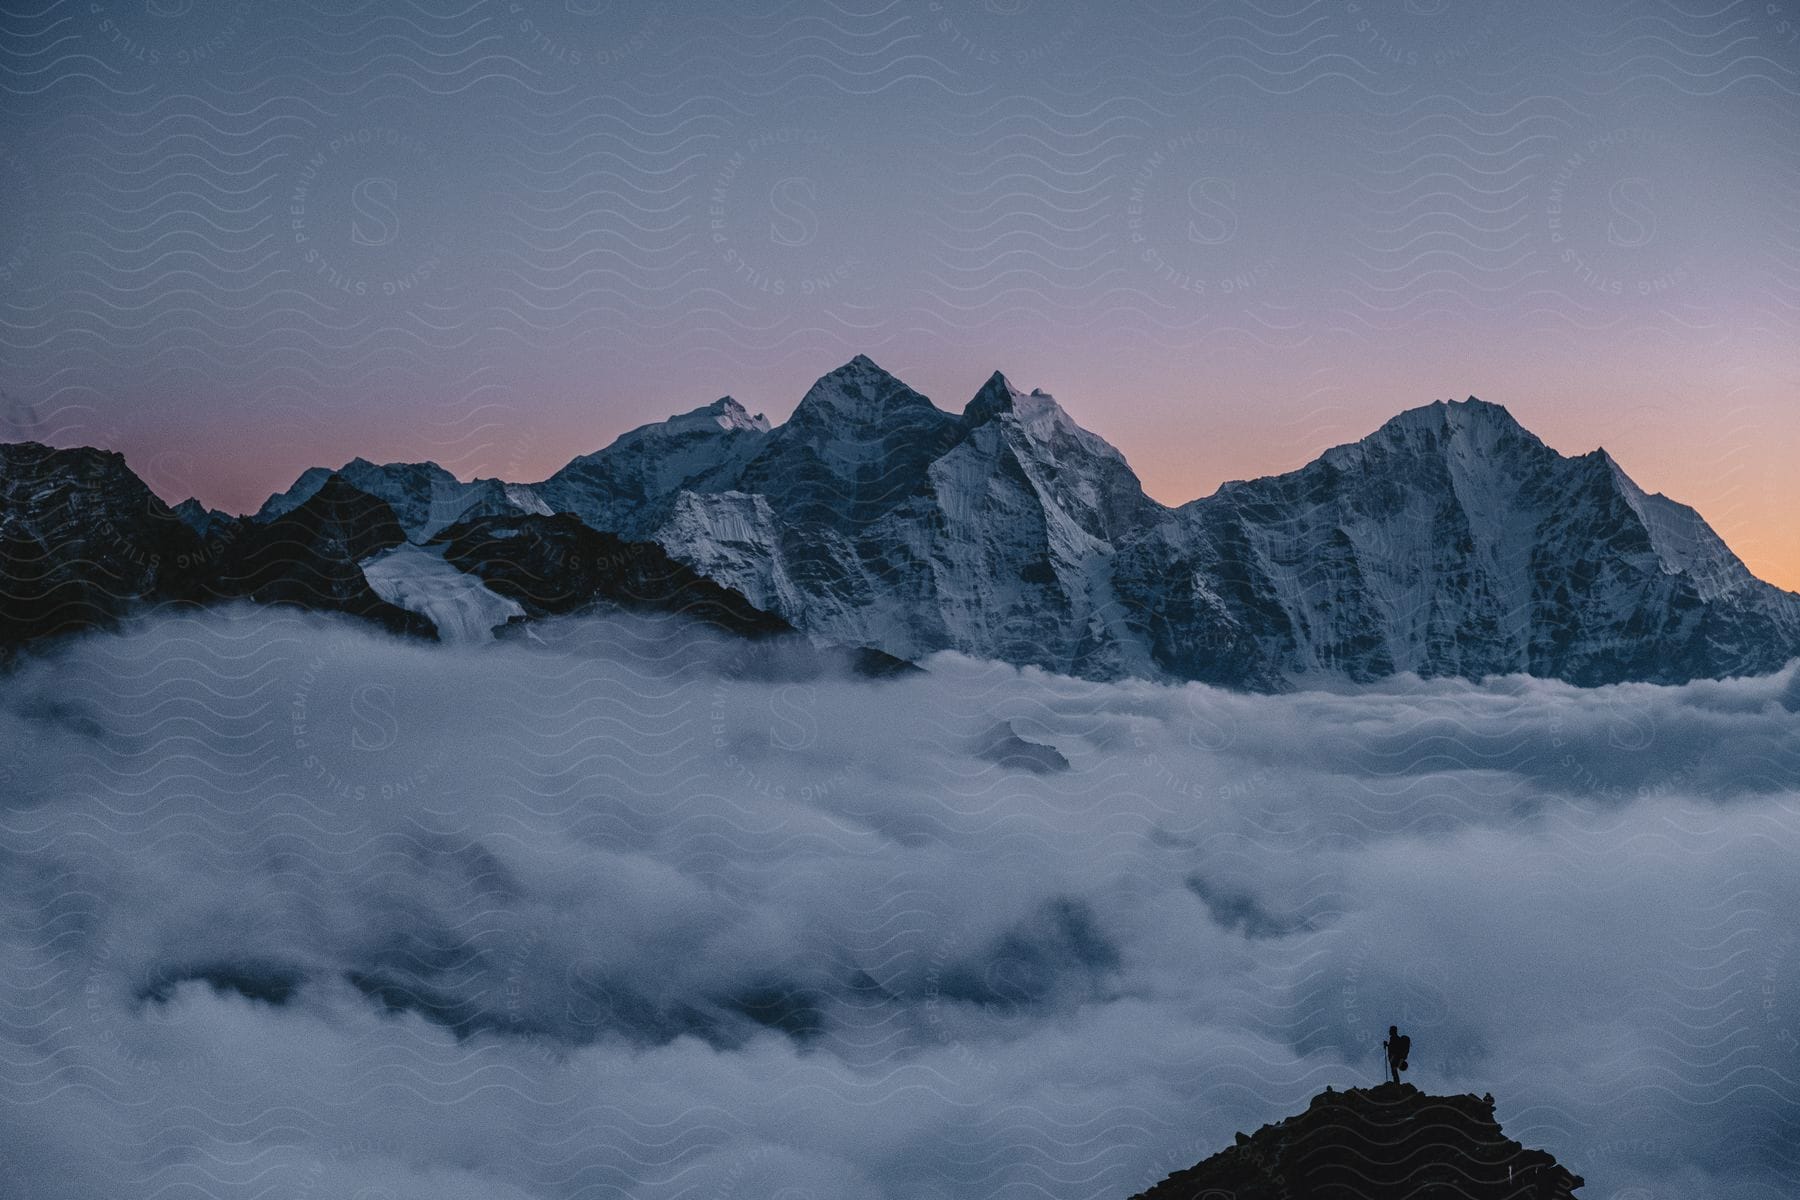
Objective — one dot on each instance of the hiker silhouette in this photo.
(1398, 1046)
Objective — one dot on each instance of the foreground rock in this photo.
(82, 541)
(1393, 1142)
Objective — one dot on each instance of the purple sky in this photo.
(238, 241)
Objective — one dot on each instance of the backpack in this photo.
(1402, 1047)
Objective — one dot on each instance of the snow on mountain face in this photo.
(425, 497)
(1405, 551)
(1450, 541)
(622, 488)
(310, 557)
(419, 580)
(872, 517)
(1682, 540)
(855, 449)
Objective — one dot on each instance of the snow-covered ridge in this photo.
(1450, 540)
(425, 497)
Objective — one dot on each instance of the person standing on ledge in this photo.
(1398, 1046)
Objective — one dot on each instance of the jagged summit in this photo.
(996, 396)
(732, 415)
(201, 519)
(724, 414)
(1449, 541)
(1391, 1141)
(82, 541)
(859, 392)
(1468, 428)
(1037, 414)
(425, 497)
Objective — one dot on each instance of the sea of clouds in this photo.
(290, 908)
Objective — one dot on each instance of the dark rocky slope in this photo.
(82, 541)
(310, 558)
(554, 565)
(1391, 1142)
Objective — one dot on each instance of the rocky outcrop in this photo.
(311, 557)
(1393, 1142)
(82, 543)
(555, 565)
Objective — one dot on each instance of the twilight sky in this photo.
(240, 239)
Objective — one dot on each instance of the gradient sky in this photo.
(241, 239)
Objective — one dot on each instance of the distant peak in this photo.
(862, 366)
(1472, 428)
(363, 467)
(1477, 408)
(1038, 416)
(724, 414)
(729, 414)
(335, 489)
(860, 371)
(860, 389)
(996, 396)
(1472, 409)
(1453, 416)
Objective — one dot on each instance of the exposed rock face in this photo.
(872, 517)
(1391, 1142)
(1452, 542)
(628, 486)
(202, 520)
(425, 498)
(311, 557)
(1003, 746)
(82, 542)
(551, 565)
(1448, 542)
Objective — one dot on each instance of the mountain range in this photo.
(1448, 542)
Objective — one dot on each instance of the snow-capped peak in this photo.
(729, 414)
(1454, 416)
(1466, 430)
(722, 415)
(996, 396)
(1450, 540)
(859, 392)
(1036, 414)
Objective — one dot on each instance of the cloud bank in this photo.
(294, 909)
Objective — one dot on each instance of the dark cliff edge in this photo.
(1391, 1142)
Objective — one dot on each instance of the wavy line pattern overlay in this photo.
(290, 908)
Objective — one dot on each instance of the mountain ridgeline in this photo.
(1449, 542)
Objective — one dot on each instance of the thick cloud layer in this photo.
(292, 909)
